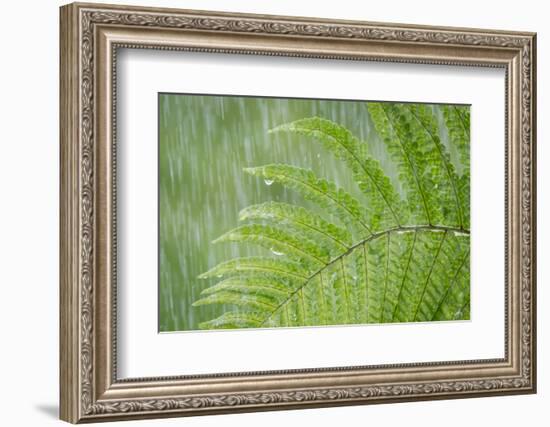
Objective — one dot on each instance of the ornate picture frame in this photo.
(90, 37)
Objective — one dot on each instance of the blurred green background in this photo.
(205, 142)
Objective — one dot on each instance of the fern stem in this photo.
(286, 315)
(346, 290)
(429, 275)
(370, 177)
(323, 302)
(413, 170)
(382, 307)
(334, 239)
(366, 283)
(304, 315)
(446, 164)
(273, 241)
(466, 304)
(283, 218)
(461, 119)
(404, 278)
(403, 228)
(453, 282)
(360, 221)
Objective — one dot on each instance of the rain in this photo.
(205, 141)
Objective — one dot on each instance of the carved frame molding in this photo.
(90, 37)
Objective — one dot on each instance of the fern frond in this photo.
(384, 207)
(259, 302)
(309, 223)
(393, 261)
(384, 298)
(257, 265)
(411, 135)
(251, 285)
(457, 121)
(279, 241)
(442, 170)
(322, 192)
(234, 320)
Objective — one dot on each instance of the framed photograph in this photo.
(266, 212)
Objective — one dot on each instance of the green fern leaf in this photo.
(395, 261)
(384, 207)
(301, 220)
(258, 266)
(457, 121)
(238, 298)
(324, 193)
(252, 285)
(234, 320)
(411, 135)
(279, 241)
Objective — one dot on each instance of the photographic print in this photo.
(297, 192)
(279, 212)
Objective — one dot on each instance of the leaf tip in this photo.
(244, 214)
(280, 128)
(255, 171)
(204, 325)
(208, 274)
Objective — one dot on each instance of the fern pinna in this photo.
(397, 256)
